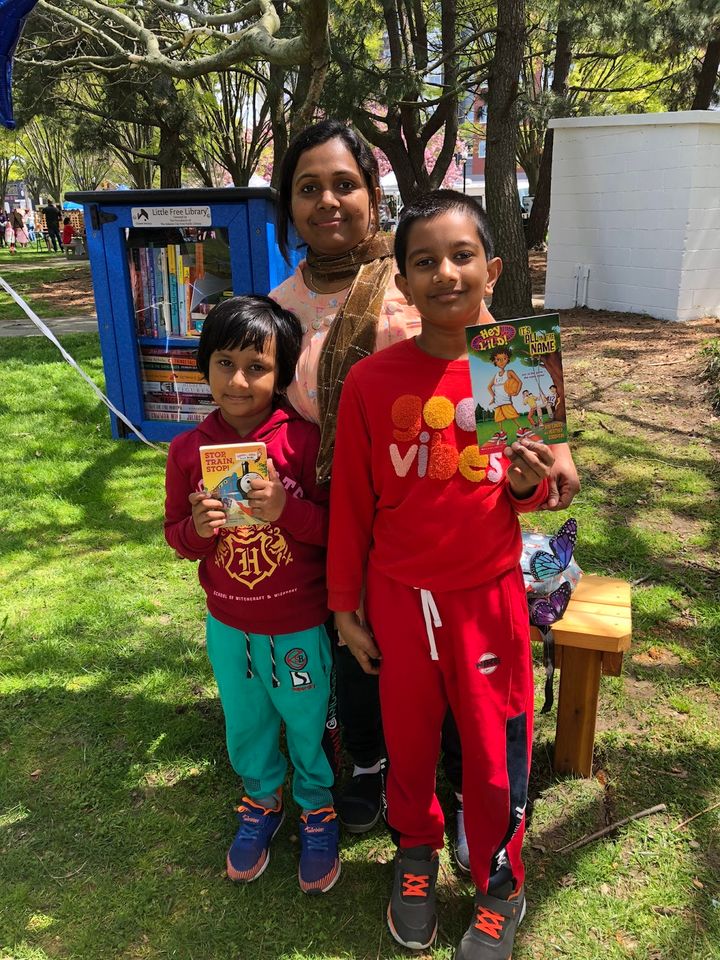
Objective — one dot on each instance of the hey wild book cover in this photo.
(517, 381)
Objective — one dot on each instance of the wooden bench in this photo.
(589, 640)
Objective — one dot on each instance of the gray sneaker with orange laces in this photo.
(491, 933)
(411, 913)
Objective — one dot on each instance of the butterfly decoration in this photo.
(545, 611)
(544, 565)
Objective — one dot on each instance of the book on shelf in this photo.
(228, 470)
(176, 415)
(165, 404)
(171, 291)
(172, 387)
(517, 381)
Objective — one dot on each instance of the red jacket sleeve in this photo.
(180, 530)
(306, 518)
(352, 502)
(529, 503)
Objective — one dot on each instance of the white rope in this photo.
(46, 331)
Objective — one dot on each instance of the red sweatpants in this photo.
(484, 671)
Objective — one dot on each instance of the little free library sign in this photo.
(188, 216)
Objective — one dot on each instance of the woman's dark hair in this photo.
(311, 137)
(250, 321)
(433, 205)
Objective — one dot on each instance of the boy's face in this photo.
(242, 383)
(446, 273)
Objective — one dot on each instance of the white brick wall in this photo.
(636, 199)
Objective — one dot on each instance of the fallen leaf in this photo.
(35, 774)
(698, 884)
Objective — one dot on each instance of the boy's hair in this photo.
(250, 321)
(66, 221)
(432, 205)
(314, 136)
(497, 351)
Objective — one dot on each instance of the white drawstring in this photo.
(432, 618)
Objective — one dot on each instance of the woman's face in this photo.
(330, 201)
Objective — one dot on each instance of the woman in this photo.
(345, 296)
(18, 225)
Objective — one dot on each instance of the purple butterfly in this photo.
(544, 565)
(545, 611)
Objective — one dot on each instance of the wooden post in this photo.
(577, 711)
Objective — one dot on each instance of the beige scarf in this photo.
(354, 329)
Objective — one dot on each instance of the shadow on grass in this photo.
(117, 816)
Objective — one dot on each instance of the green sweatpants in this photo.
(262, 681)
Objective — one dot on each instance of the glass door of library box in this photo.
(160, 260)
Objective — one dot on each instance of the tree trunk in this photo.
(513, 295)
(537, 227)
(170, 158)
(708, 75)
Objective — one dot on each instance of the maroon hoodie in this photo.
(264, 579)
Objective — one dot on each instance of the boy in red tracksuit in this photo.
(427, 524)
(265, 585)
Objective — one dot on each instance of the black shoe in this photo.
(411, 913)
(491, 933)
(360, 802)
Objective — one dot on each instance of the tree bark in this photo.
(708, 75)
(513, 295)
(537, 227)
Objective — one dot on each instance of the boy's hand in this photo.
(267, 497)
(359, 641)
(530, 464)
(207, 513)
(564, 480)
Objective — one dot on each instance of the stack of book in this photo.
(168, 289)
(173, 388)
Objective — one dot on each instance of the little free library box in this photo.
(160, 260)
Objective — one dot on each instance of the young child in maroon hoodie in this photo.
(425, 523)
(265, 585)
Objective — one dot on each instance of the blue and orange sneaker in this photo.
(249, 854)
(319, 857)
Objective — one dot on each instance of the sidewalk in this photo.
(22, 327)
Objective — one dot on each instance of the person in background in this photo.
(3, 226)
(52, 223)
(30, 225)
(68, 232)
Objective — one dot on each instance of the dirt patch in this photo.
(69, 292)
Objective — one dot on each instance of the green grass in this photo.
(115, 792)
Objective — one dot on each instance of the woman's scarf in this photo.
(354, 329)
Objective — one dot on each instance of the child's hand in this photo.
(207, 513)
(530, 464)
(267, 497)
(359, 641)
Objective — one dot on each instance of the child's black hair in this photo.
(432, 205)
(250, 321)
(497, 351)
(314, 136)
(66, 221)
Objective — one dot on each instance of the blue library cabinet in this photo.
(160, 260)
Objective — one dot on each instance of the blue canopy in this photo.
(12, 19)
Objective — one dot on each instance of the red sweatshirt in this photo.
(410, 489)
(264, 579)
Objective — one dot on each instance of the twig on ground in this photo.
(609, 430)
(702, 812)
(648, 576)
(666, 363)
(660, 808)
(64, 876)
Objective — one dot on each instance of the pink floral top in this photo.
(316, 312)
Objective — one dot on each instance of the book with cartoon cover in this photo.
(227, 470)
(517, 381)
